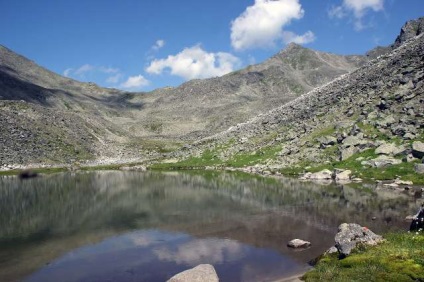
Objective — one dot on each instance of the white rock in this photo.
(298, 243)
(201, 273)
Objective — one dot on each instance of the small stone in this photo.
(298, 243)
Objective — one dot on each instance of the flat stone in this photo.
(200, 273)
(298, 243)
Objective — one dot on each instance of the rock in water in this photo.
(298, 243)
(349, 235)
(200, 273)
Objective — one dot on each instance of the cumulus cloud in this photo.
(158, 44)
(262, 24)
(194, 62)
(135, 82)
(358, 8)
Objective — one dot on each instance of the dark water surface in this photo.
(133, 226)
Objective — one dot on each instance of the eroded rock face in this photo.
(200, 273)
(351, 234)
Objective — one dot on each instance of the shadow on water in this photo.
(130, 226)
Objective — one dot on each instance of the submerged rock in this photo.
(200, 273)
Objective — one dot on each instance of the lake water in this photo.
(148, 226)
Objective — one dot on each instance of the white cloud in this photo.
(262, 24)
(289, 37)
(108, 70)
(67, 72)
(194, 62)
(158, 44)
(83, 69)
(358, 8)
(87, 70)
(114, 79)
(135, 82)
(337, 12)
(196, 251)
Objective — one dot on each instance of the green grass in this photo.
(400, 258)
(248, 159)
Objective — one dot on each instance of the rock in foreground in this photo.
(351, 234)
(200, 273)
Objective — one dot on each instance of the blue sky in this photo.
(141, 45)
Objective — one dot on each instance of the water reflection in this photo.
(45, 218)
(153, 255)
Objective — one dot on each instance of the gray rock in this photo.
(200, 273)
(389, 149)
(418, 149)
(419, 168)
(382, 161)
(298, 243)
(352, 141)
(327, 140)
(346, 153)
(321, 175)
(342, 175)
(352, 234)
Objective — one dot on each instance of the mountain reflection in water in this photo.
(126, 226)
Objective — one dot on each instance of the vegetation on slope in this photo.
(400, 258)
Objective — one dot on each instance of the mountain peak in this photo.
(409, 30)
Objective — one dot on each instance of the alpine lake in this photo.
(149, 226)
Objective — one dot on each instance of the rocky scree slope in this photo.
(376, 111)
(200, 108)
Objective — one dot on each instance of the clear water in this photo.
(133, 226)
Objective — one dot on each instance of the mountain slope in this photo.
(200, 108)
(56, 114)
(380, 104)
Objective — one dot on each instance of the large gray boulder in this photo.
(351, 234)
(418, 149)
(201, 273)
